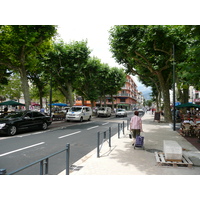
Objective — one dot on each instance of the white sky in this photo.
(97, 39)
(96, 36)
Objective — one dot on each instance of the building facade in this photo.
(126, 98)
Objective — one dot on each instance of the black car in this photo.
(12, 123)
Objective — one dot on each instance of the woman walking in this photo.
(135, 125)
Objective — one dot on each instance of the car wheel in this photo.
(81, 119)
(12, 130)
(89, 118)
(44, 126)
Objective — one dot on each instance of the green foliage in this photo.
(115, 80)
(65, 63)
(19, 47)
(13, 89)
(86, 85)
(147, 52)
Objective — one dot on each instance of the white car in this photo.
(79, 113)
(141, 112)
(121, 112)
(104, 111)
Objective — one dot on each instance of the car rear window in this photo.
(37, 114)
(76, 109)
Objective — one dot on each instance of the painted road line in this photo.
(69, 134)
(92, 127)
(4, 154)
(105, 123)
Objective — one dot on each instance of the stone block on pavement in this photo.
(172, 150)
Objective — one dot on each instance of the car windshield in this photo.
(119, 110)
(101, 108)
(14, 115)
(75, 109)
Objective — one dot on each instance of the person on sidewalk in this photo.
(135, 125)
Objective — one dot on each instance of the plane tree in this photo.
(19, 45)
(149, 47)
(86, 85)
(65, 63)
(116, 79)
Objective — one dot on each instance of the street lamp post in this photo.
(174, 112)
(50, 96)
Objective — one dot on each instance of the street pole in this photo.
(50, 96)
(174, 112)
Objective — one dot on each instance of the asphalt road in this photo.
(25, 148)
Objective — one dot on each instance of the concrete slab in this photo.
(172, 150)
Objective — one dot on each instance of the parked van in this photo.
(104, 111)
(79, 113)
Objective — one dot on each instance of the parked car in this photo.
(79, 113)
(104, 111)
(121, 112)
(26, 120)
(141, 112)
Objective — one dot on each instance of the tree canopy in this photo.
(150, 47)
(19, 47)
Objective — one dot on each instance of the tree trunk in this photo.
(100, 101)
(185, 95)
(92, 103)
(41, 103)
(25, 86)
(83, 99)
(104, 100)
(157, 103)
(165, 91)
(112, 102)
(70, 94)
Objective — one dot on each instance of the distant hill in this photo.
(146, 95)
(145, 91)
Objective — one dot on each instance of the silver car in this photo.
(121, 112)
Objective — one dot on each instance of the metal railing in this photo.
(128, 123)
(120, 128)
(100, 143)
(44, 163)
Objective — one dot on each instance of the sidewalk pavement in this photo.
(122, 159)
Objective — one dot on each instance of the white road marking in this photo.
(105, 123)
(92, 127)
(36, 133)
(4, 154)
(69, 134)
